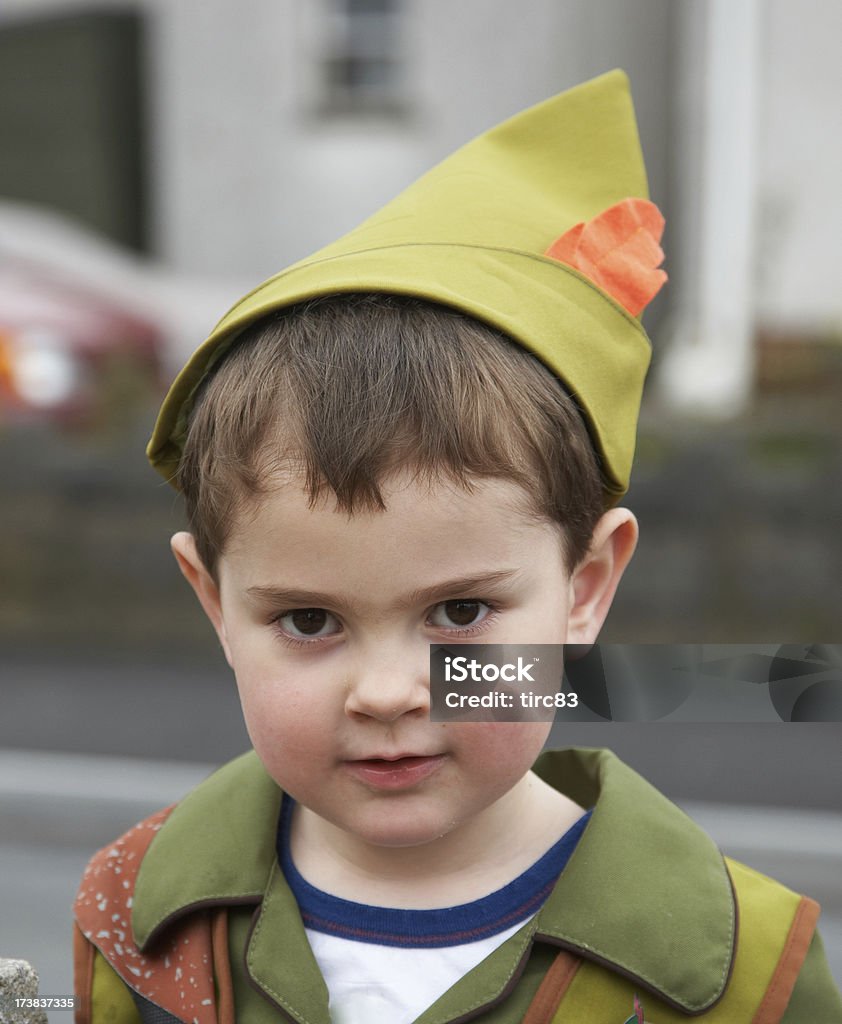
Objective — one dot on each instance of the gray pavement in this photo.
(56, 809)
(119, 706)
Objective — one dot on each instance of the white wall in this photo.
(248, 180)
(800, 167)
(245, 179)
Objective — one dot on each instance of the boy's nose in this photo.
(387, 688)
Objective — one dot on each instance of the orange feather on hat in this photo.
(619, 251)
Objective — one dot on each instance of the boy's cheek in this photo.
(500, 745)
(279, 712)
(287, 747)
(282, 716)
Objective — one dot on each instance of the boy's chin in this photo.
(398, 831)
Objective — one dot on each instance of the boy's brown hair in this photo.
(346, 390)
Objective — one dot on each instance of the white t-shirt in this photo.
(373, 984)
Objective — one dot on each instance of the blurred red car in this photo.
(87, 326)
(67, 355)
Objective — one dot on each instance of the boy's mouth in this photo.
(395, 772)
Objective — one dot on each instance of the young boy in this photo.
(374, 460)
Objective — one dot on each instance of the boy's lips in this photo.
(395, 772)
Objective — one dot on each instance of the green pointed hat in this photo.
(474, 234)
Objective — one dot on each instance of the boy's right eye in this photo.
(308, 622)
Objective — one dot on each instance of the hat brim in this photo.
(601, 359)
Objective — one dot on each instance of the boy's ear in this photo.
(193, 569)
(594, 581)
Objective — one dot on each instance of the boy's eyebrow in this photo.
(460, 586)
(463, 586)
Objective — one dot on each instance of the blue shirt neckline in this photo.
(426, 929)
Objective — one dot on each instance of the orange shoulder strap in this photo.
(552, 989)
(83, 976)
(798, 940)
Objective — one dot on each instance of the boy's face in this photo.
(326, 620)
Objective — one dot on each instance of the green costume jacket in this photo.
(188, 917)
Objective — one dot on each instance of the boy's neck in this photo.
(470, 862)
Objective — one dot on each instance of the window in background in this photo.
(361, 59)
(72, 118)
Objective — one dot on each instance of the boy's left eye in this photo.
(459, 613)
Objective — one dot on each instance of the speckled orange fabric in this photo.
(177, 973)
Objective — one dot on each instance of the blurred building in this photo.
(229, 140)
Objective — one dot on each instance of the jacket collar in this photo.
(646, 892)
